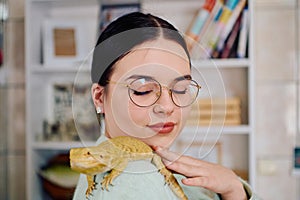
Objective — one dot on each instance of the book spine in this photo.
(231, 39)
(241, 52)
(199, 20)
(205, 41)
(226, 13)
(234, 16)
(217, 7)
(207, 30)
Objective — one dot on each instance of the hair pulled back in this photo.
(126, 32)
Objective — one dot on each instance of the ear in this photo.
(98, 95)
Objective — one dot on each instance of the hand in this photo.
(200, 173)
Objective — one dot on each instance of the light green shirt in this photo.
(141, 180)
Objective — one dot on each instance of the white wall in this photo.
(275, 52)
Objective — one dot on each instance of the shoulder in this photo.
(139, 185)
(140, 180)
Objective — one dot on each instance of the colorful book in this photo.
(199, 21)
(205, 37)
(232, 39)
(217, 7)
(231, 21)
(225, 15)
(197, 50)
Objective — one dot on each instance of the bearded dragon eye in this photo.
(101, 156)
(88, 153)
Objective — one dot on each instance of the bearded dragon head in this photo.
(90, 160)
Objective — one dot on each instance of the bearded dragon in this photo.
(113, 155)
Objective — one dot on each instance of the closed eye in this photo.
(140, 93)
(179, 91)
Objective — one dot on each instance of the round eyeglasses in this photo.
(145, 92)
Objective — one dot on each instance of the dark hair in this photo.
(128, 31)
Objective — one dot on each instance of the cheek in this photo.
(138, 115)
(185, 113)
(128, 117)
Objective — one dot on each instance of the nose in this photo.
(164, 104)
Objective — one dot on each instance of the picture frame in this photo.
(60, 101)
(63, 42)
(110, 12)
(208, 151)
(71, 110)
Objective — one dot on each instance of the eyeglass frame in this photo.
(170, 92)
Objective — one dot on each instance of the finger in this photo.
(201, 181)
(175, 157)
(186, 169)
(167, 155)
(166, 162)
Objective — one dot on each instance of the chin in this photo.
(164, 141)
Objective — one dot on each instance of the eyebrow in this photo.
(139, 77)
(185, 77)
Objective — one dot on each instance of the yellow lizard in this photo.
(114, 154)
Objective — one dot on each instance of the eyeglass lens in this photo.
(145, 92)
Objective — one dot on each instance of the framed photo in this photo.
(60, 102)
(71, 110)
(63, 42)
(208, 151)
(110, 12)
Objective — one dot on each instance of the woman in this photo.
(143, 88)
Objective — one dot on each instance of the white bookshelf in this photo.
(238, 77)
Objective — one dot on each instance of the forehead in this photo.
(162, 59)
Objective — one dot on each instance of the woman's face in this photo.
(159, 124)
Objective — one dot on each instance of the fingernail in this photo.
(157, 148)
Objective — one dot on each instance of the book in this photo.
(231, 21)
(222, 21)
(198, 22)
(197, 51)
(217, 7)
(232, 39)
(242, 43)
(216, 111)
(205, 36)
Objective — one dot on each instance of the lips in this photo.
(162, 128)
